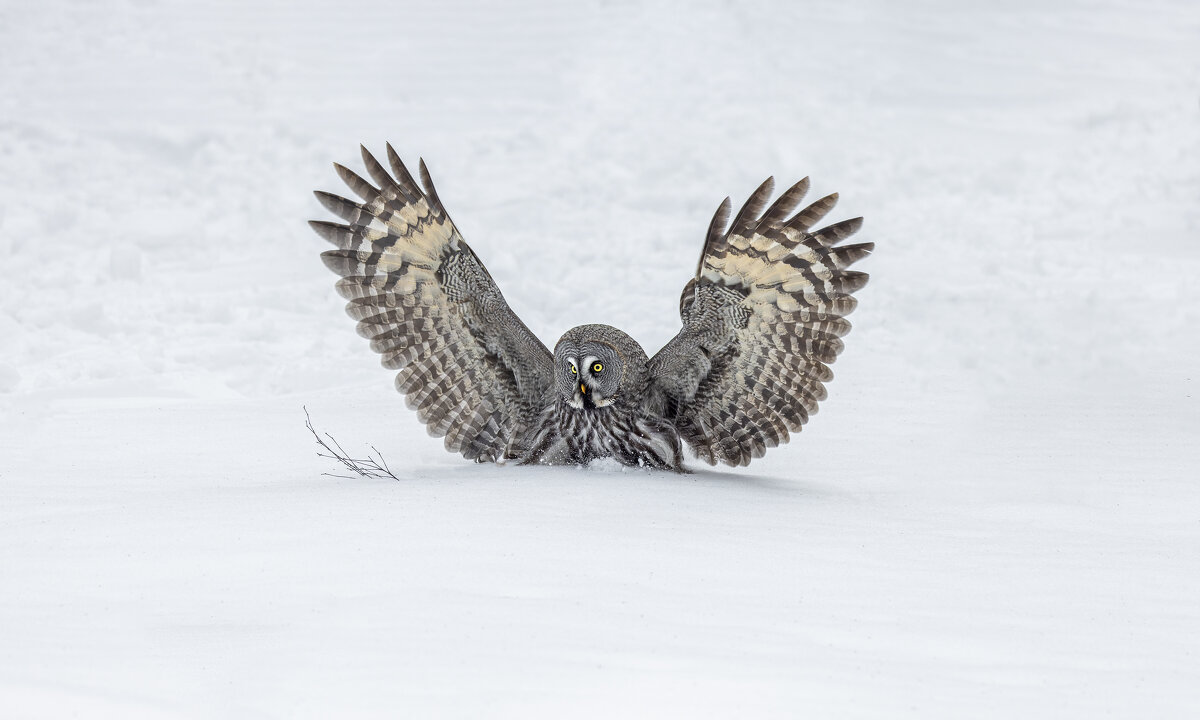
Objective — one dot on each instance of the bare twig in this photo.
(369, 467)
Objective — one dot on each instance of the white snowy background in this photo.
(996, 513)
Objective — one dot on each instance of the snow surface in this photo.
(996, 514)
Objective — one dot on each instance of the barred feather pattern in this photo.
(569, 436)
(470, 368)
(762, 319)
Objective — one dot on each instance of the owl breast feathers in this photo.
(763, 319)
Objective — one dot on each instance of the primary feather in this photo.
(469, 367)
(762, 320)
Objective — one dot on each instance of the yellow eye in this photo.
(597, 367)
(574, 371)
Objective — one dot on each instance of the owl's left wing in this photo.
(467, 364)
(762, 320)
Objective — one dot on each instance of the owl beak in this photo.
(583, 388)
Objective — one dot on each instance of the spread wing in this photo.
(469, 367)
(762, 320)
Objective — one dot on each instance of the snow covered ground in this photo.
(996, 514)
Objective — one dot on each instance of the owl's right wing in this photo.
(468, 365)
(762, 320)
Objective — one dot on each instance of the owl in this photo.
(762, 319)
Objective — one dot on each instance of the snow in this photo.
(995, 514)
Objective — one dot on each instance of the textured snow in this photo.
(995, 514)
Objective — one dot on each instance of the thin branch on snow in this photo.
(369, 467)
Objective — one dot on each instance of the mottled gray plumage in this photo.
(600, 406)
(762, 320)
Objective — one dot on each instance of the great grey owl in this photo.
(763, 318)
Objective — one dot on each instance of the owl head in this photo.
(598, 365)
